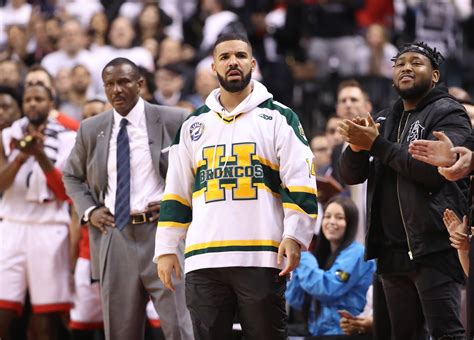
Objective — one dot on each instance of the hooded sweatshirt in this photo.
(238, 183)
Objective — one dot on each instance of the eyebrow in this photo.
(236, 52)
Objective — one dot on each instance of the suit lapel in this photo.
(104, 131)
(155, 135)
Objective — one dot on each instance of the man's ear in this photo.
(141, 83)
(435, 75)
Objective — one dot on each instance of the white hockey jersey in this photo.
(238, 183)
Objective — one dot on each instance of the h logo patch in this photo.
(241, 171)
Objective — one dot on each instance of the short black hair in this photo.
(48, 90)
(123, 61)
(231, 36)
(95, 100)
(40, 68)
(352, 83)
(420, 47)
(78, 66)
(12, 93)
(149, 79)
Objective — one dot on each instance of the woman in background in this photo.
(334, 277)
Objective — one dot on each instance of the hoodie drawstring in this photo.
(217, 140)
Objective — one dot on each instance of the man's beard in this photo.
(38, 120)
(415, 92)
(235, 86)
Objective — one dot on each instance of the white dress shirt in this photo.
(145, 184)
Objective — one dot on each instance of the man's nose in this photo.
(407, 67)
(117, 88)
(232, 60)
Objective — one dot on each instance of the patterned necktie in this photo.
(122, 194)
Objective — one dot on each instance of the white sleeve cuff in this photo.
(88, 211)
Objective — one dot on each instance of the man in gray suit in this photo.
(115, 176)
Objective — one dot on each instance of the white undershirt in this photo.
(145, 186)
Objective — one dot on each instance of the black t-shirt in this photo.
(393, 230)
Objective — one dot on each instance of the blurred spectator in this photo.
(332, 29)
(15, 12)
(53, 29)
(332, 135)
(149, 86)
(169, 83)
(465, 99)
(177, 11)
(122, 44)
(71, 52)
(151, 22)
(38, 213)
(93, 107)
(62, 84)
(152, 46)
(204, 82)
(38, 75)
(82, 10)
(375, 54)
(171, 52)
(322, 154)
(218, 20)
(352, 100)
(10, 74)
(98, 30)
(326, 184)
(46, 35)
(437, 23)
(335, 276)
(375, 12)
(78, 93)
(9, 106)
(17, 46)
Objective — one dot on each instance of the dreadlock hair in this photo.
(432, 54)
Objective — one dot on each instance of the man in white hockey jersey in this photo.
(240, 189)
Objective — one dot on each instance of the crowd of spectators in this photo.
(303, 48)
(328, 59)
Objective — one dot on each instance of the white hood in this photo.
(258, 95)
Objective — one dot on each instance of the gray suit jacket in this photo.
(85, 173)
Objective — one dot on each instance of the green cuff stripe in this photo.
(307, 202)
(175, 211)
(230, 248)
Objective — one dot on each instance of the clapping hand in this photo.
(458, 230)
(434, 152)
(359, 132)
(461, 168)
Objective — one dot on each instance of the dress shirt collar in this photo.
(135, 115)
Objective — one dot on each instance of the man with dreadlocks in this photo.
(420, 272)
